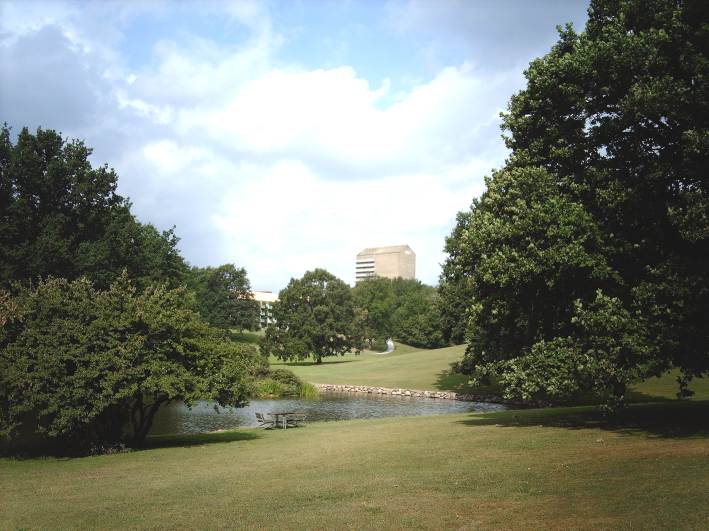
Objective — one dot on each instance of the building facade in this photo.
(388, 262)
(265, 301)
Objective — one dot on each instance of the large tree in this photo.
(585, 260)
(454, 288)
(83, 368)
(62, 217)
(315, 317)
(224, 297)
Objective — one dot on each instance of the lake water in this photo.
(178, 418)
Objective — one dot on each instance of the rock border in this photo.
(417, 393)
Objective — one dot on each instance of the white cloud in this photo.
(284, 220)
(335, 116)
(306, 167)
(282, 168)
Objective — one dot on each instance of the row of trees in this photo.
(101, 320)
(63, 218)
(403, 309)
(319, 315)
(583, 267)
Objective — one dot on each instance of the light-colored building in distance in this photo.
(265, 301)
(388, 262)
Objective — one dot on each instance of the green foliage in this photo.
(454, 287)
(378, 345)
(270, 388)
(279, 383)
(584, 263)
(315, 316)
(61, 217)
(284, 376)
(308, 391)
(224, 297)
(403, 309)
(81, 367)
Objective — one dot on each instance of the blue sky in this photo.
(282, 136)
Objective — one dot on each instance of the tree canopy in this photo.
(584, 262)
(62, 217)
(315, 317)
(84, 368)
(224, 297)
(97, 330)
(403, 309)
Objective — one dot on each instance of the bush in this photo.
(270, 388)
(279, 383)
(285, 377)
(84, 369)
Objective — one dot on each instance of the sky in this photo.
(282, 136)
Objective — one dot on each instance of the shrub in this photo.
(308, 391)
(270, 388)
(285, 377)
(82, 368)
(279, 383)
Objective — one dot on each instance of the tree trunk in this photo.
(141, 428)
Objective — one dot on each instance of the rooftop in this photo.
(386, 250)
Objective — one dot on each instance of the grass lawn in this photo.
(543, 469)
(406, 367)
(413, 368)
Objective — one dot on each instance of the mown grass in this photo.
(541, 469)
(412, 368)
(406, 367)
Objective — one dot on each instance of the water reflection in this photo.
(178, 418)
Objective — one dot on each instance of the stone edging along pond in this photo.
(446, 395)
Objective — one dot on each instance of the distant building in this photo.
(265, 300)
(388, 262)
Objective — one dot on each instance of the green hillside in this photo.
(413, 368)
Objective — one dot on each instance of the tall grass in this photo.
(281, 383)
(270, 388)
(308, 391)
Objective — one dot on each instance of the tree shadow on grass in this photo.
(452, 381)
(198, 439)
(61, 452)
(312, 363)
(671, 419)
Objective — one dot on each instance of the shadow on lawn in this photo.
(32, 450)
(665, 420)
(311, 363)
(452, 381)
(197, 439)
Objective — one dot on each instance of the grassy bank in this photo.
(407, 367)
(413, 368)
(556, 469)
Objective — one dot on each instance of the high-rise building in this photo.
(265, 301)
(388, 262)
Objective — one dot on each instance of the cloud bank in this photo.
(279, 166)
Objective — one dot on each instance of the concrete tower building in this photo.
(265, 300)
(388, 262)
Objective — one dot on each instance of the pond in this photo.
(179, 419)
